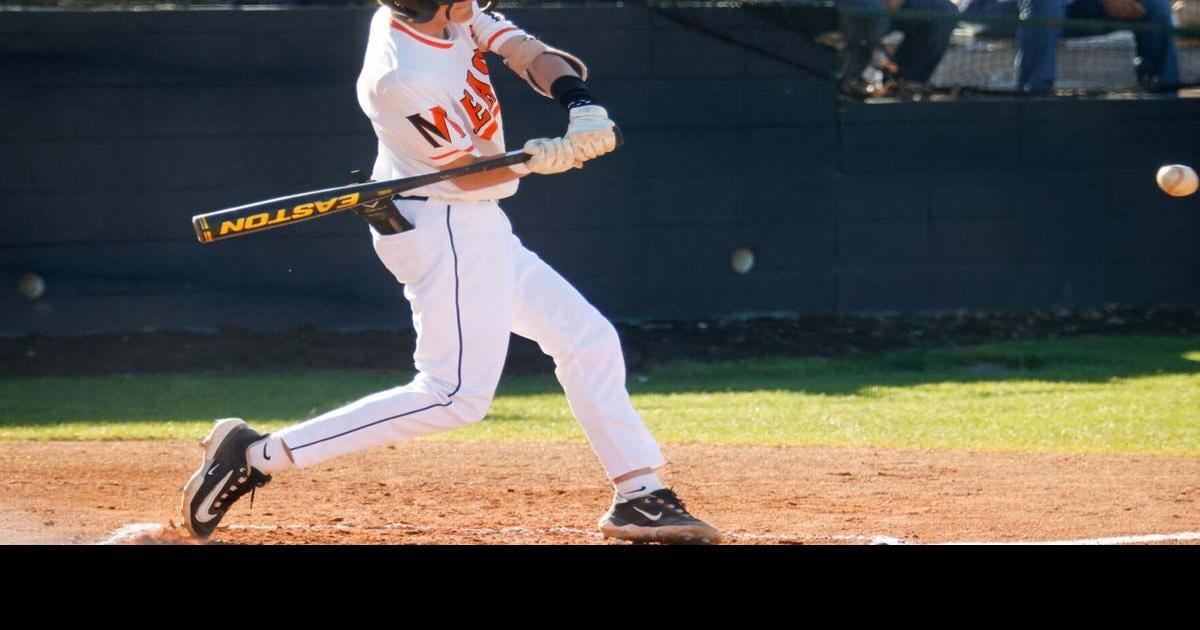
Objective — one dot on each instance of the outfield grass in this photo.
(1108, 394)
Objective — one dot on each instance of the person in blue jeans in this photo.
(1157, 62)
(925, 41)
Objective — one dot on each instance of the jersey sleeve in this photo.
(491, 29)
(424, 122)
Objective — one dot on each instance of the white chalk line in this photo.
(1112, 540)
(128, 533)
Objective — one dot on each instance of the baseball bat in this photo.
(272, 213)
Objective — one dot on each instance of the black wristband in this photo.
(571, 92)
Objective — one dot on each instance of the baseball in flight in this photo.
(1177, 180)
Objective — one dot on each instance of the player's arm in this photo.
(425, 122)
(549, 156)
(554, 73)
(480, 180)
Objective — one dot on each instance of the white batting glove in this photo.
(591, 132)
(550, 155)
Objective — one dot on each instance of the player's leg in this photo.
(457, 270)
(456, 267)
(591, 368)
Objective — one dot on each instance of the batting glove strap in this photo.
(571, 92)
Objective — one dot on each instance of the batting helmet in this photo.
(421, 11)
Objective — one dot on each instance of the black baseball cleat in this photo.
(657, 517)
(223, 477)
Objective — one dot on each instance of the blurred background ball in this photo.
(742, 260)
(31, 286)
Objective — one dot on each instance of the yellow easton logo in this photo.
(288, 215)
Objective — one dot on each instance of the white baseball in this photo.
(742, 260)
(31, 286)
(1177, 180)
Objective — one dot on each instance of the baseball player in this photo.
(426, 87)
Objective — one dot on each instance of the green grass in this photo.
(1107, 394)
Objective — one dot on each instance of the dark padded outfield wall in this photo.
(120, 126)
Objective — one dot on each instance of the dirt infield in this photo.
(472, 493)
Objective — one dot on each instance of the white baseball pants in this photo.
(470, 282)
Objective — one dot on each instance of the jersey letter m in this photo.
(437, 130)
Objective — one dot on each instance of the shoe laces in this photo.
(259, 481)
(243, 483)
(669, 500)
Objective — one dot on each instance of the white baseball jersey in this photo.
(431, 100)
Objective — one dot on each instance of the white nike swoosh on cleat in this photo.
(213, 467)
(204, 514)
(653, 517)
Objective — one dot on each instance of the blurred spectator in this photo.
(909, 70)
(1157, 63)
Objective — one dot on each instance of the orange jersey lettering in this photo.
(477, 114)
(480, 63)
(481, 88)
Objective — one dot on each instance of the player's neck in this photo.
(433, 28)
